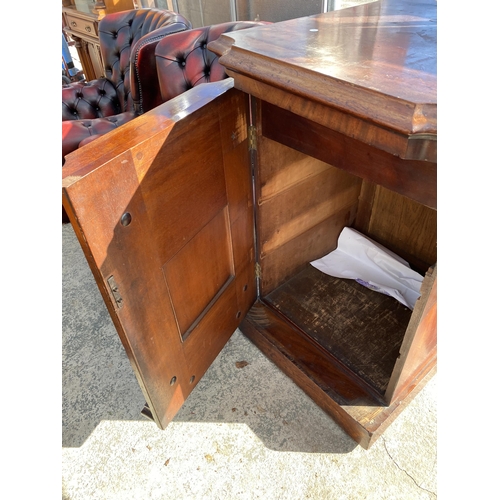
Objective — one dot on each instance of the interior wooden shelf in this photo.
(361, 328)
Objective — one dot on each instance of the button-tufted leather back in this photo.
(127, 38)
(120, 31)
(184, 61)
(94, 99)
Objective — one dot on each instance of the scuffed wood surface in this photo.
(369, 71)
(362, 328)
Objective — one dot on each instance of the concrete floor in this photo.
(244, 433)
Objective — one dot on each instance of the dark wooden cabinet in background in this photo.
(203, 214)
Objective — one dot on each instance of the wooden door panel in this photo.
(193, 285)
(162, 232)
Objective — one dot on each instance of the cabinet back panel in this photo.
(399, 223)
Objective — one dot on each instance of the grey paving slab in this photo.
(244, 433)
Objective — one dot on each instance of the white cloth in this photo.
(372, 265)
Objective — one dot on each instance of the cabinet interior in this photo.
(302, 205)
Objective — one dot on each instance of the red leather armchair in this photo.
(128, 40)
(179, 62)
(184, 61)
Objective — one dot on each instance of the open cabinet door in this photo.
(163, 209)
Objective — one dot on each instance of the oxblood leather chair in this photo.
(184, 61)
(127, 41)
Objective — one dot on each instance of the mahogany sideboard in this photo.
(203, 215)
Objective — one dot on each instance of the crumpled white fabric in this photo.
(372, 265)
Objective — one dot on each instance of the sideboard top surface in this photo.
(362, 59)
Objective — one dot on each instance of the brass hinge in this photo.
(252, 138)
(258, 272)
(114, 290)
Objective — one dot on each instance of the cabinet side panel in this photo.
(292, 257)
(302, 206)
(418, 351)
